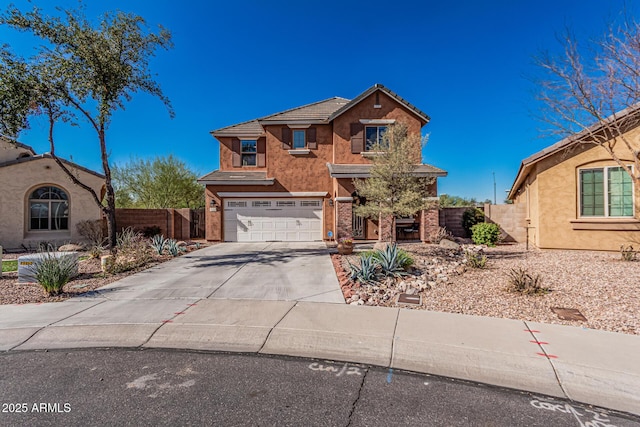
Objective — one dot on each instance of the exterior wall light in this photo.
(213, 206)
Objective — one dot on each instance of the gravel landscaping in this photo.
(600, 285)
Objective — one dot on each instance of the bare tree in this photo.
(590, 94)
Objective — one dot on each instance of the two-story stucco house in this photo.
(38, 201)
(289, 176)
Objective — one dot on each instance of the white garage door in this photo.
(262, 220)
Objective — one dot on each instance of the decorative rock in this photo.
(448, 244)
(106, 262)
(182, 243)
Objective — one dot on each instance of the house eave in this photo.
(265, 182)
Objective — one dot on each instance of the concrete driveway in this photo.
(262, 271)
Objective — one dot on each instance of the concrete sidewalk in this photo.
(589, 366)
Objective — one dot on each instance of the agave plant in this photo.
(393, 261)
(366, 272)
(172, 247)
(158, 243)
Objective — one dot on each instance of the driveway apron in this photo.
(259, 271)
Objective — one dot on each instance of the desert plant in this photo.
(520, 280)
(627, 253)
(485, 234)
(366, 272)
(53, 272)
(439, 234)
(172, 247)
(158, 243)
(393, 261)
(132, 251)
(91, 230)
(475, 259)
(471, 217)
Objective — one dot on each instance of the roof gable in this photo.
(48, 156)
(321, 112)
(378, 87)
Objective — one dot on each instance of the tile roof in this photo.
(318, 112)
(48, 156)
(18, 144)
(364, 171)
(239, 177)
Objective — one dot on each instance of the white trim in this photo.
(344, 199)
(377, 121)
(244, 136)
(605, 189)
(274, 194)
(299, 126)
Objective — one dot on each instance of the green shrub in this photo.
(485, 234)
(54, 272)
(522, 281)
(475, 259)
(471, 217)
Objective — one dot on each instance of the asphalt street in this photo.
(166, 387)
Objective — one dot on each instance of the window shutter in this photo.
(357, 138)
(235, 147)
(286, 138)
(312, 142)
(262, 152)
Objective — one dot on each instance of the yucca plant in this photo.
(53, 272)
(158, 243)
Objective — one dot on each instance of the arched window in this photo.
(48, 209)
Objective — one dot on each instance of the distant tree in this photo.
(162, 182)
(393, 189)
(81, 71)
(585, 90)
(447, 201)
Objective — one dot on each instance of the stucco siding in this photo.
(19, 180)
(554, 203)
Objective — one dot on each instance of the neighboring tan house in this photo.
(289, 176)
(38, 202)
(577, 197)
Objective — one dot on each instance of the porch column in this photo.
(344, 217)
(429, 223)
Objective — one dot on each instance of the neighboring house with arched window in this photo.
(38, 201)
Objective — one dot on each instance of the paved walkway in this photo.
(182, 311)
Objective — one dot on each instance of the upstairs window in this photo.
(374, 136)
(606, 192)
(248, 152)
(48, 209)
(299, 139)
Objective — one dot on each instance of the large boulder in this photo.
(449, 244)
(70, 247)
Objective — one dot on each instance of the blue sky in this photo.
(464, 63)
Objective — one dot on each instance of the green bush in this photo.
(485, 234)
(54, 272)
(471, 217)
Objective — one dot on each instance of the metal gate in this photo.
(357, 226)
(197, 223)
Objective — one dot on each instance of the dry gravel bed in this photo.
(89, 278)
(605, 289)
